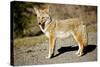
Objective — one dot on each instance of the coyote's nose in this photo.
(39, 23)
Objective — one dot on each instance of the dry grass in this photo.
(92, 28)
(29, 41)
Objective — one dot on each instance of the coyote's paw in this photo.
(80, 54)
(77, 52)
(48, 57)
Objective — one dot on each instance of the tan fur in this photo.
(60, 29)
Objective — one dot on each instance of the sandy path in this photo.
(65, 52)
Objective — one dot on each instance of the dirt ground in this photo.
(64, 53)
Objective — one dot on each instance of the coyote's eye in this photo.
(43, 17)
(38, 17)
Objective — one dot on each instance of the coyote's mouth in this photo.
(42, 25)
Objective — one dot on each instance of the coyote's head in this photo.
(42, 15)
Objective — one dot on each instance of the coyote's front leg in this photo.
(52, 41)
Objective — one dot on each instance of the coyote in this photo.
(60, 29)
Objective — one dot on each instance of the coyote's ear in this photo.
(45, 8)
(36, 10)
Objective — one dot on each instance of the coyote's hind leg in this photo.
(77, 36)
(81, 38)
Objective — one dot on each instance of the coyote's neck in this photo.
(46, 25)
(48, 21)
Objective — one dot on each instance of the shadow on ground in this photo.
(87, 49)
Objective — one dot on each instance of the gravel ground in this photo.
(65, 52)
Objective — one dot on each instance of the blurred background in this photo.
(25, 22)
